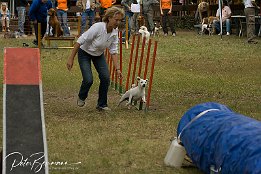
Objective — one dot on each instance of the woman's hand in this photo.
(71, 58)
(119, 74)
(70, 63)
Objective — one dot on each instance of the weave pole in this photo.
(147, 60)
(130, 63)
(140, 67)
(151, 75)
(120, 85)
(113, 75)
(147, 68)
(106, 55)
(137, 62)
(110, 63)
(79, 25)
(127, 33)
(141, 55)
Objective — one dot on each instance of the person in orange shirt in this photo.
(166, 12)
(104, 5)
(62, 8)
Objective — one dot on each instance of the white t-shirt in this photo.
(96, 39)
(248, 3)
(226, 12)
(88, 4)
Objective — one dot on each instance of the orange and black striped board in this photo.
(24, 135)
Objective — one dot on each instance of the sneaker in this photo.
(228, 33)
(173, 34)
(219, 34)
(106, 108)
(80, 102)
(35, 42)
(165, 34)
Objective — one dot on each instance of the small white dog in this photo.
(135, 93)
(144, 33)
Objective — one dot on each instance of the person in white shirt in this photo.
(90, 47)
(226, 15)
(135, 8)
(249, 10)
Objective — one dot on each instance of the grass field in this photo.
(190, 69)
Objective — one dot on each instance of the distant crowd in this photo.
(137, 13)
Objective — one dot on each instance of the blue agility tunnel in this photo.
(220, 140)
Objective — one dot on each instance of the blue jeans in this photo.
(21, 19)
(85, 14)
(101, 67)
(228, 25)
(129, 16)
(62, 17)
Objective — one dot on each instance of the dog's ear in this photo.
(138, 78)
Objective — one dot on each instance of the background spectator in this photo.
(135, 23)
(88, 10)
(21, 10)
(48, 17)
(38, 14)
(226, 14)
(249, 10)
(166, 12)
(128, 14)
(5, 17)
(203, 10)
(147, 9)
(104, 5)
(62, 7)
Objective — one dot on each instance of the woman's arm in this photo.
(72, 56)
(170, 10)
(116, 66)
